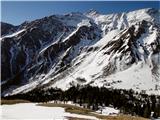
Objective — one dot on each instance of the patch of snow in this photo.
(13, 34)
(72, 19)
(138, 15)
(108, 37)
(31, 111)
(71, 34)
(108, 111)
(85, 22)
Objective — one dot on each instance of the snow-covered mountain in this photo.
(115, 51)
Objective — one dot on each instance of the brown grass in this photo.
(120, 117)
(124, 117)
(75, 118)
(10, 102)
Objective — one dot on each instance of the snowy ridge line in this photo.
(13, 34)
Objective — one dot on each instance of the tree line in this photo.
(127, 101)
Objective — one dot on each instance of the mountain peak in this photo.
(92, 12)
(146, 10)
(115, 44)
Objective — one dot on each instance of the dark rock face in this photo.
(33, 51)
(127, 45)
(7, 28)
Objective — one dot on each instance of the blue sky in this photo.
(17, 12)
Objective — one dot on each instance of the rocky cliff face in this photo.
(7, 28)
(100, 50)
